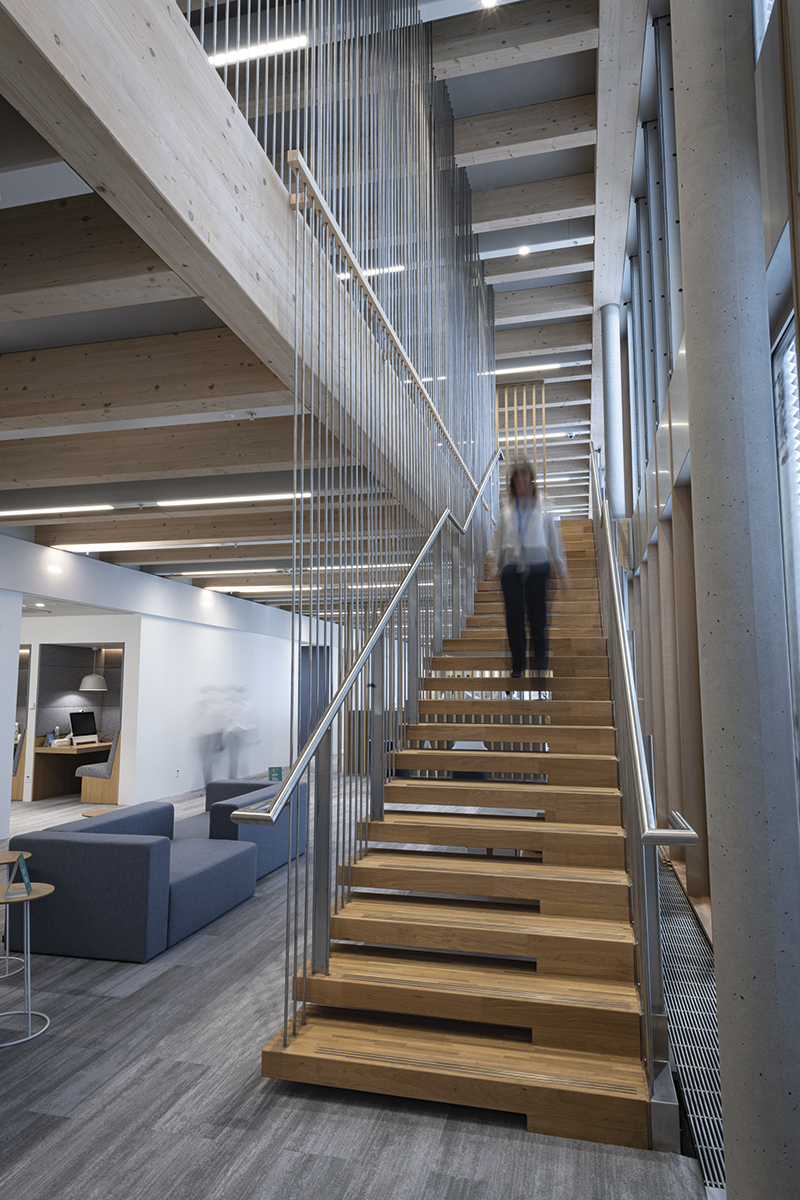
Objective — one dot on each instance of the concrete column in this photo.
(751, 785)
(10, 622)
(613, 442)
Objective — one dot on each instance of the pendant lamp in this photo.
(93, 682)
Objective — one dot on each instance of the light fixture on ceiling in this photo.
(234, 499)
(45, 512)
(262, 50)
(524, 250)
(39, 604)
(93, 682)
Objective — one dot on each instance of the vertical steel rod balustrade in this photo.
(644, 835)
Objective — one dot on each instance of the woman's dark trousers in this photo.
(526, 591)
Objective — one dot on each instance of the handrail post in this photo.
(470, 596)
(321, 912)
(438, 595)
(413, 650)
(455, 616)
(378, 758)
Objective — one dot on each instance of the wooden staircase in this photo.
(486, 957)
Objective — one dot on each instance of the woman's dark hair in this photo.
(521, 468)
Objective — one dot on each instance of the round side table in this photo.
(37, 891)
(7, 859)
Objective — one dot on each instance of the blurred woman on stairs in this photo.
(528, 545)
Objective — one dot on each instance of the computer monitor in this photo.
(84, 727)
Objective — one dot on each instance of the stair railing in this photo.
(346, 766)
(643, 832)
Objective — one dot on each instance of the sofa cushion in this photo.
(270, 840)
(154, 819)
(228, 789)
(110, 899)
(207, 878)
(192, 827)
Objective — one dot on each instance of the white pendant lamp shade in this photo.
(93, 682)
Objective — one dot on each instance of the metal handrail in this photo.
(681, 832)
(273, 808)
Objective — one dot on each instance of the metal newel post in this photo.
(321, 915)
(438, 596)
(378, 760)
(455, 616)
(413, 650)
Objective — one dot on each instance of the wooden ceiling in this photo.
(128, 382)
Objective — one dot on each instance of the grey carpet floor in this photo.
(147, 1086)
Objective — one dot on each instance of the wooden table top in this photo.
(37, 891)
(90, 748)
(7, 857)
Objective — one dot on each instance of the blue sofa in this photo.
(224, 796)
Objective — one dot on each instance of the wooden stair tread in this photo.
(468, 914)
(561, 687)
(402, 821)
(572, 666)
(571, 644)
(578, 739)
(597, 713)
(563, 1092)
(559, 768)
(505, 790)
(480, 864)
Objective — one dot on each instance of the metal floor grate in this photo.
(690, 996)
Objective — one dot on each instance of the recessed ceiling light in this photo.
(522, 249)
(39, 604)
(488, 3)
(262, 50)
(233, 499)
(43, 512)
(54, 570)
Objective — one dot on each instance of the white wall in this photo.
(184, 671)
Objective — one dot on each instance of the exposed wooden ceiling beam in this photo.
(565, 261)
(534, 203)
(181, 374)
(519, 132)
(544, 303)
(512, 33)
(76, 255)
(218, 448)
(552, 339)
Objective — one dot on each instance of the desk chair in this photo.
(100, 781)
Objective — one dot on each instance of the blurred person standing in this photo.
(528, 546)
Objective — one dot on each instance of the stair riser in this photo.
(497, 643)
(555, 897)
(577, 771)
(571, 1027)
(560, 687)
(552, 1111)
(559, 738)
(576, 958)
(596, 714)
(557, 849)
(561, 807)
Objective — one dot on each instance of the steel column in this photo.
(321, 912)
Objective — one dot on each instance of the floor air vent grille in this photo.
(691, 999)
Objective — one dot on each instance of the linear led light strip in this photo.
(286, 589)
(43, 512)
(262, 50)
(283, 570)
(370, 271)
(234, 499)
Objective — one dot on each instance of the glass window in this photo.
(762, 10)
(787, 428)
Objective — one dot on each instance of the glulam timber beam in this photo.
(511, 34)
(568, 338)
(568, 260)
(177, 160)
(76, 255)
(544, 303)
(520, 132)
(172, 375)
(216, 448)
(537, 203)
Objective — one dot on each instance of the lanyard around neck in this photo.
(523, 530)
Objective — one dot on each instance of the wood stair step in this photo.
(573, 845)
(601, 1098)
(580, 626)
(577, 946)
(559, 890)
(574, 645)
(559, 687)
(591, 770)
(585, 805)
(587, 605)
(574, 739)
(577, 583)
(558, 712)
(569, 665)
(592, 1016)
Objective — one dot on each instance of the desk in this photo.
(54, 767)
(37, 891)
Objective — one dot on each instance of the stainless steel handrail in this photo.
(681, 832)
(273, 808)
